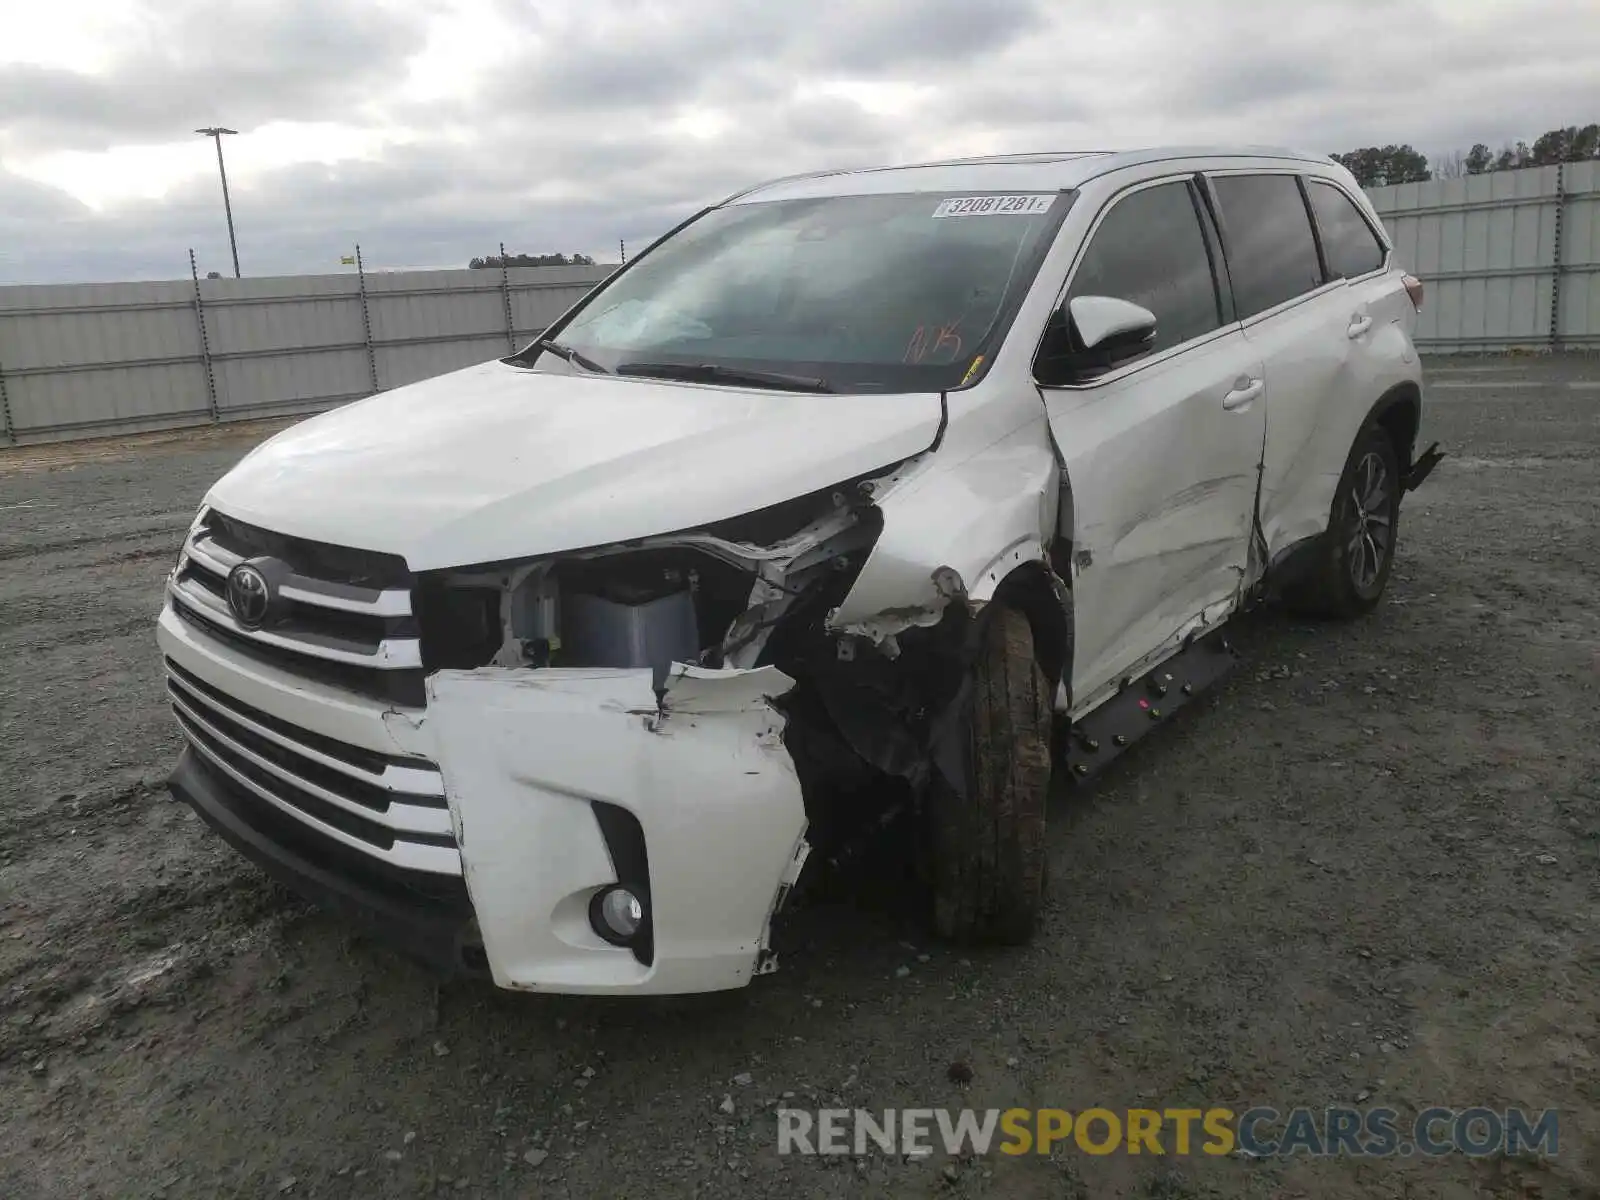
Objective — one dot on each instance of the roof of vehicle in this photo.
(1041, 171)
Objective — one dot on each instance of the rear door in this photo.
(1354, 249)
(1303, 324)
(1161, 453)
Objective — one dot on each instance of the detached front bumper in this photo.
(527, 756)
(540, 770)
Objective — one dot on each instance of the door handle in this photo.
(1359, 324)
(1241, 396)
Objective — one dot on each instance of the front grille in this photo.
(391, 808)
(364, 569)
(344, 616)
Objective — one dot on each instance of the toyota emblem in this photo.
(249, 595)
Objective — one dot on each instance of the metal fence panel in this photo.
(118, 355)
(285, 345)
(124, 399)
(89, 359)
(1511, 259)
(1508, 257)
(407, 362)
(1578, 316)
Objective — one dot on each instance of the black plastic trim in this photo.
(428, 917)
(624, 838)
(335, 627)
(1316, 231)
(404, 686)
(366, 760)
(358, 791)
(374, 833)
(1221, 279)
(1145, 702)
(364, 569)
(1423, 467)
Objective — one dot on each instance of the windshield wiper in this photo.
(717, 373)
(561, 350)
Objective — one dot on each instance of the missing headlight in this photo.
(647, 608)
(707, 596)
(460, 625)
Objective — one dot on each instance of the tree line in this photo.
(530, 260)
(1374, 166)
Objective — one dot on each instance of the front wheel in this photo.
(1358, 551)
(988, 837)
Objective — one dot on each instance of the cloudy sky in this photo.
(431, 132)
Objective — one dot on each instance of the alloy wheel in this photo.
(1371, 530)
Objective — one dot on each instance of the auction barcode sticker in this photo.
(994, 206)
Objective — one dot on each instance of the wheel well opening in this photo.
(1399, 413)
(1032, 590)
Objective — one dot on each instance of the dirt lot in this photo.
(1365, 869)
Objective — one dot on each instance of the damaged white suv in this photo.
(860, 493)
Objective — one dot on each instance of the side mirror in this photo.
(1090, 335)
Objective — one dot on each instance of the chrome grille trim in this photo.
(401, 818)
(406, 830)
(389, 654)
(407, 780)
(390, 602)
(437, 860)
(344, 620)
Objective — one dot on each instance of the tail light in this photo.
(1414, 290)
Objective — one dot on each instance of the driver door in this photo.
(1161, 453)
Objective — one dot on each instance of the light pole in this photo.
(215, 133)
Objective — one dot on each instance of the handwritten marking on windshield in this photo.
(929, 340)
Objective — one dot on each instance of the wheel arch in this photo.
(1399, 413)
(1045, 599)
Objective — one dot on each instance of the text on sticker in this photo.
(993, 206)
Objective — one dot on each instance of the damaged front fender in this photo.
(953, 530)
(526, 756)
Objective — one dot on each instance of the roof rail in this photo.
(1135, 153)
(766, 183)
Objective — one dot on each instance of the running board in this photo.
(1143, 703)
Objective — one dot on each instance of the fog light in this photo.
(617, 915)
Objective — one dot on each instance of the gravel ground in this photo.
(1365, 868)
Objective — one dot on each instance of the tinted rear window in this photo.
(1348, 242)
(1272, 254)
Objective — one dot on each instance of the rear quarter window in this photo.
(1272, 253)
(1348, 242)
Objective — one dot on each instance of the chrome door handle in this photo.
(1359, 325)
(1241, 396)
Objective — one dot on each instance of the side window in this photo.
(1272, 255)
(1149, 250)
(1348, 242)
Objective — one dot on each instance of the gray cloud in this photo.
(572, 138)
(197, 63)
(741, 51)
(24, 202)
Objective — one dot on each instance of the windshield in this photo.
(849, 293)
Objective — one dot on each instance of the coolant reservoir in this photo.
(600, 632)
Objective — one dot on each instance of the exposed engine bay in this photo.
(755, 591)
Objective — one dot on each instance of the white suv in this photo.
(859, 494)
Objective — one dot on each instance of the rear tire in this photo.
(1357, 553)
(988, 843)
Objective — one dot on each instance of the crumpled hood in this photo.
(498, 462)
